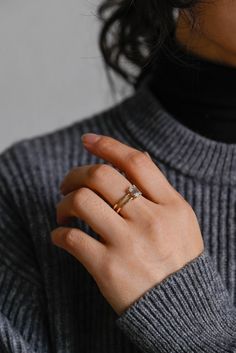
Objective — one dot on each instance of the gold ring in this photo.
(132, 193)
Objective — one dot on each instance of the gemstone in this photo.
(134, 191)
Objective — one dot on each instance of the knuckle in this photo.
(99, 171)
(184, 208)
(69, 237)
(80, 198)
(137, 158)
(176, 196)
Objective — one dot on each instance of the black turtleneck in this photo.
(199, 92)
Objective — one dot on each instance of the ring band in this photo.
(132, 193)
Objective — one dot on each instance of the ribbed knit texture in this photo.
(50, 303)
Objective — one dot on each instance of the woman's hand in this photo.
(152, 237)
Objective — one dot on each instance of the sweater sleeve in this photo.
(23, 315)
(189, 311)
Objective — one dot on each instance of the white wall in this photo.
(51, 70)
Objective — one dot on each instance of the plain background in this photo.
(50, 67)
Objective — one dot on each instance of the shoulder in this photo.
(49, 150)
(49, 145)
(33, 166)
(59, 146)
(31, 171)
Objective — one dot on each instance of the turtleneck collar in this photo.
(147, 125)
(199, 92)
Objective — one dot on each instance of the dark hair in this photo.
(134, 30)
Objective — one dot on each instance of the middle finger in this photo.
(108, 183)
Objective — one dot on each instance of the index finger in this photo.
(138, 167)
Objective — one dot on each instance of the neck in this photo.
(196, 42)
(197, 91)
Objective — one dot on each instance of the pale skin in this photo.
(158, 233)
(153, 236)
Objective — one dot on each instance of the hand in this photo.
(152, 237)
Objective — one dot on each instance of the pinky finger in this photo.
(82, 246)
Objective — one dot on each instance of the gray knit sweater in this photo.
(48, 300)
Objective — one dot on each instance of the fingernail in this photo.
(147, 154)
(90, 138)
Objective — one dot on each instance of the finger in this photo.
(138, 167)
(87, 205)
(108, 183)
(147, 154)
(86, 249)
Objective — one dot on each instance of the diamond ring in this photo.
(132, 193)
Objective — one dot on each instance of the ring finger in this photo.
(108, 183)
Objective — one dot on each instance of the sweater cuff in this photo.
(189, 311)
